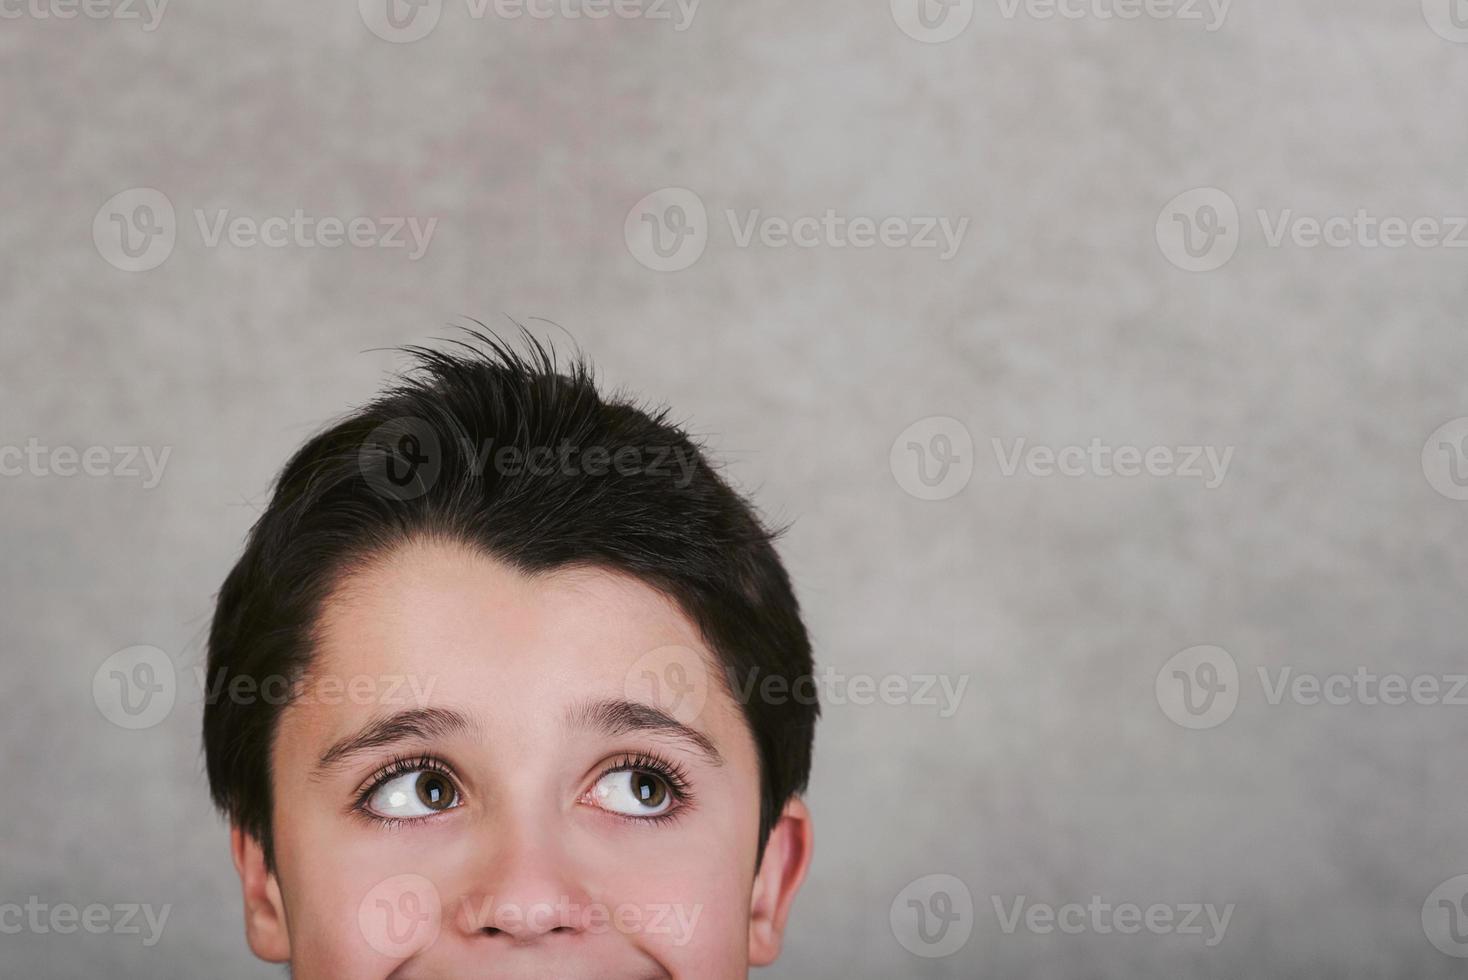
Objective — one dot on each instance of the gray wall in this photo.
(1071, 312)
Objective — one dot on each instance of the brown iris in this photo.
(649, 789)
(435, 791)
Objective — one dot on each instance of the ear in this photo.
(781, 870)
(265, 928)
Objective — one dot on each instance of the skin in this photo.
(532, 873)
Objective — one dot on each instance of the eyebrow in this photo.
(615, 716)
(411, 723)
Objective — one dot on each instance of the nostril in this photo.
(493, 931)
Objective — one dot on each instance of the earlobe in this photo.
(782, 869)
(265, 926)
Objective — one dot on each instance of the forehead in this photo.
(476, 632)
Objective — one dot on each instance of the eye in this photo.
(420, 793)
(633, 793)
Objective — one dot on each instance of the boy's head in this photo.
(509, 683)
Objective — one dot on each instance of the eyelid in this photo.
(670, 772)
(624, 761)
(400, 766)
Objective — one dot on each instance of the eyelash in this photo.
(669, 772)
(399, 766)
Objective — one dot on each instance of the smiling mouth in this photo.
(535, 965)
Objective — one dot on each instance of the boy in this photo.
(482, 656)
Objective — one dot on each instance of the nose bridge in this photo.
(525, 881)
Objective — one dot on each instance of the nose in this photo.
(526, 890)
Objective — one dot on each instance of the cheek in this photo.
(323, 909)
(688, 905)
(691, 880)
(361, 911)
(354, 897)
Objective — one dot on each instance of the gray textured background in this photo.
(1060, 320)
